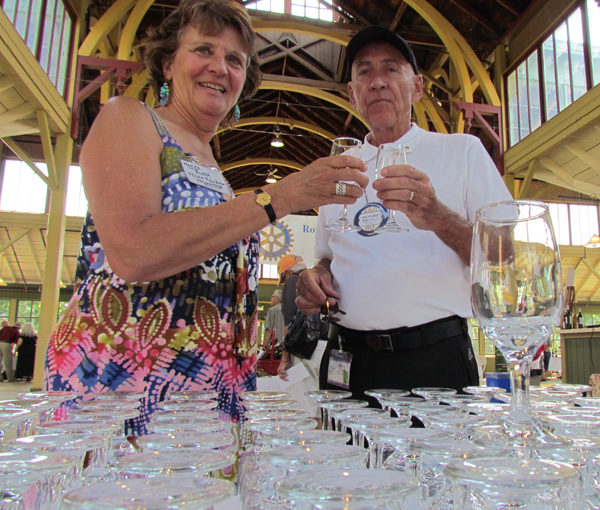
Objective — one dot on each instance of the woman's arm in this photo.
(121, 174)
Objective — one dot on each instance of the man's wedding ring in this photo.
(340, 189)
(412, 194)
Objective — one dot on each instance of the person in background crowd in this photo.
(289, 268)
(25, 347)
(166, 302)
(406, 295)
(274, 321)
(9, 336)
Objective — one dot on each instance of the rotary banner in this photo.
(292, 234)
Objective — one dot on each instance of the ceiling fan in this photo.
(271, 175)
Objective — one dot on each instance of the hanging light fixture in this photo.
(277, 141)
(594, 242)
(61, 284)
(271, 179)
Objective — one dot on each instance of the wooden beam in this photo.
(24, 157)
(14, 239)
(527, 181)
(262, 161)
(509, 7)
(592, 268)
(558, 170)
(320, 84)
(16, 113)
(398, 16)
(5, 84)
(583, 155)
(47, 147)
(470, 11)
(9, 267)
(355, 14)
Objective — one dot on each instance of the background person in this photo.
(274, 321)
(406, 296)
(289, 268)
(9, 336)
(166, 302)
(25, 347)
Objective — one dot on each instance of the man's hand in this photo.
(408, 190)
(313, 289)
(283, 368)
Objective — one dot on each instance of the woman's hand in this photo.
(315, 185)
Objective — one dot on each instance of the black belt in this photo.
(402, 338)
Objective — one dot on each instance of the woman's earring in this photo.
(164, 94)
(236, 113)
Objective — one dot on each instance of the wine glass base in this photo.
(392, 228)
(524, 435)
(342, 226)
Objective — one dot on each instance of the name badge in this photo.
(205, 176)
(370, 217)
(338, 372)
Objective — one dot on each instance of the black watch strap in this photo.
(264, 199)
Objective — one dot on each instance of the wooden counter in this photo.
(580, 350)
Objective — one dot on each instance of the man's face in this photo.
(274, 300)
(4, 324)
(383, 87)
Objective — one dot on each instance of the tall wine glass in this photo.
(516, 296)
(349, 147)
(389, 155)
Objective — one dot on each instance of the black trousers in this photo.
(449, 363)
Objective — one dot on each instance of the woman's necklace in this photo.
(193, 157)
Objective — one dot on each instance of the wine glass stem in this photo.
(520, 408)
(345, 212)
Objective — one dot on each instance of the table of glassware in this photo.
(431, 448)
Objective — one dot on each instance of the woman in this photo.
(164, 301)
(26, 352)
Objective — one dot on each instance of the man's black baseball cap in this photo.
(377, 33)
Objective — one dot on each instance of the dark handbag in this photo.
(303, 335)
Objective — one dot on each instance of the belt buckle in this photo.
(379, 342)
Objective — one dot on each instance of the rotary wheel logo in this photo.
(275, 241)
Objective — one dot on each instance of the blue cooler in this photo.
(498, 380)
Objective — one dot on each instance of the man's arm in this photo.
(267, 339)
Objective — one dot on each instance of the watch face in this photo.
(263, 199)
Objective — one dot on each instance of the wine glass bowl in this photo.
(516, 291)
(349, 147)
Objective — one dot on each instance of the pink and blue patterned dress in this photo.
(194, 330)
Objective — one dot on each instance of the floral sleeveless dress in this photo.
(195, 330)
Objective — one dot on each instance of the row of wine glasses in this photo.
(372, 217)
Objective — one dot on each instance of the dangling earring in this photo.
(236, 113)
(164, 94)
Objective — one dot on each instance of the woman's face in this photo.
(208, 72)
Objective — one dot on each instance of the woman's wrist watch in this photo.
(264, 199)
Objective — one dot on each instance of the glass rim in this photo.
(335, 140)
(515, 203)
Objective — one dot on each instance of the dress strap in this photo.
(160, 126)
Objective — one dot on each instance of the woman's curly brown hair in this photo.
(210, 17)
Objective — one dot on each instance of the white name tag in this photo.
(338, 372)
(204, 176)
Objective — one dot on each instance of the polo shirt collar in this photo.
(410, 139)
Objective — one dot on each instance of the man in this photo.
(406, 294)
(9, 336)
(290, 267)
(274, 320)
